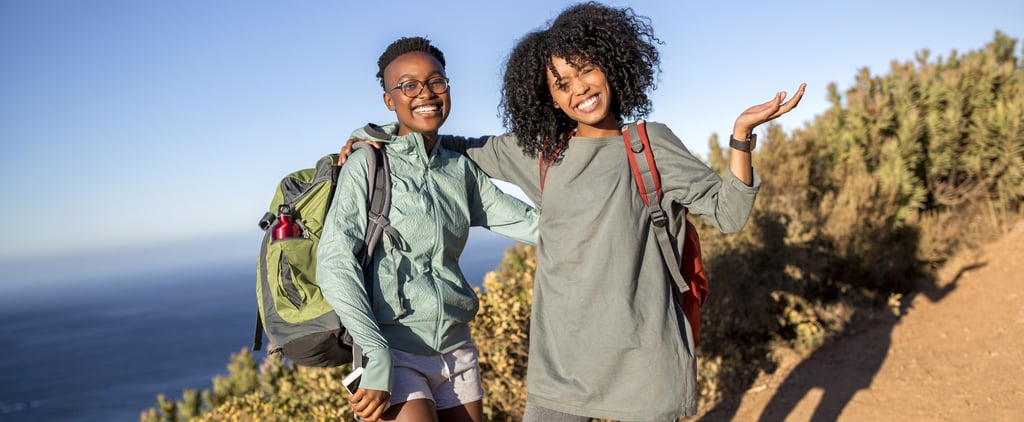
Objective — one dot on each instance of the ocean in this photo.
(93, 339)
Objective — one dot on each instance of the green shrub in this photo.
(501, 331)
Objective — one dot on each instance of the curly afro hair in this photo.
(619, 42)
(406, 45)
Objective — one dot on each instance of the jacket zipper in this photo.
(438, 323)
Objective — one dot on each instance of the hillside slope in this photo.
(956, 353)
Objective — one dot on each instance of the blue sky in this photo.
(130, 123)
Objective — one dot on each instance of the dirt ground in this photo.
(955, 354)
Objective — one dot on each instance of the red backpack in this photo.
(690, 280)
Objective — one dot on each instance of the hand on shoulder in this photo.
(347, 149)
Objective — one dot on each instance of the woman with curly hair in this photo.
(607, 339)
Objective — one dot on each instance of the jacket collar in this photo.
(409, 144)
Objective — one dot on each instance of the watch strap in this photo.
(745, 145)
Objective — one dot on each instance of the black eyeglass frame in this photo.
(422, 85)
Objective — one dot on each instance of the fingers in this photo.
(377, 411)
(767, 111)
(347, 149)
(369, 404)
(792, 103)
(358, 401)
(343, 155)
(772, 103)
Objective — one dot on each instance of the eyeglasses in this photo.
(413, 88)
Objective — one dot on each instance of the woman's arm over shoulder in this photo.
(486, 151)
(501, 158)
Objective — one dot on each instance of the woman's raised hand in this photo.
(765, 112)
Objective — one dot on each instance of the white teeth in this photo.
(425, 109)
(588, 103)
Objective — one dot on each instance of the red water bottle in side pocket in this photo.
(285, 226)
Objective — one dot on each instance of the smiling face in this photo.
(426, 112)
(582, 92)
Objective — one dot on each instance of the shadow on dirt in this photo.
(832, 377)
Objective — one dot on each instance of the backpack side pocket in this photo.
(291, 266)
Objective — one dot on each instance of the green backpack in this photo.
(292, 310)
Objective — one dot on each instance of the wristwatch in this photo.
(745, 145)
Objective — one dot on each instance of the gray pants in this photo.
(534, 413)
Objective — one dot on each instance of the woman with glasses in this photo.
(411, 314)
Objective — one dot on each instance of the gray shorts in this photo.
(449, 380)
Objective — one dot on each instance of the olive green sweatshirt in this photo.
(606, 338)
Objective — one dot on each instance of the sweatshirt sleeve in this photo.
(340, 275)
(501, 158)
(688, 181)
(500, 212)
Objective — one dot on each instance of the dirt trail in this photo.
(956, 354)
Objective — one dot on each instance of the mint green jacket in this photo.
(418, 300)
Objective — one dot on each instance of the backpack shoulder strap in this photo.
(648, 182)
(378, 182)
